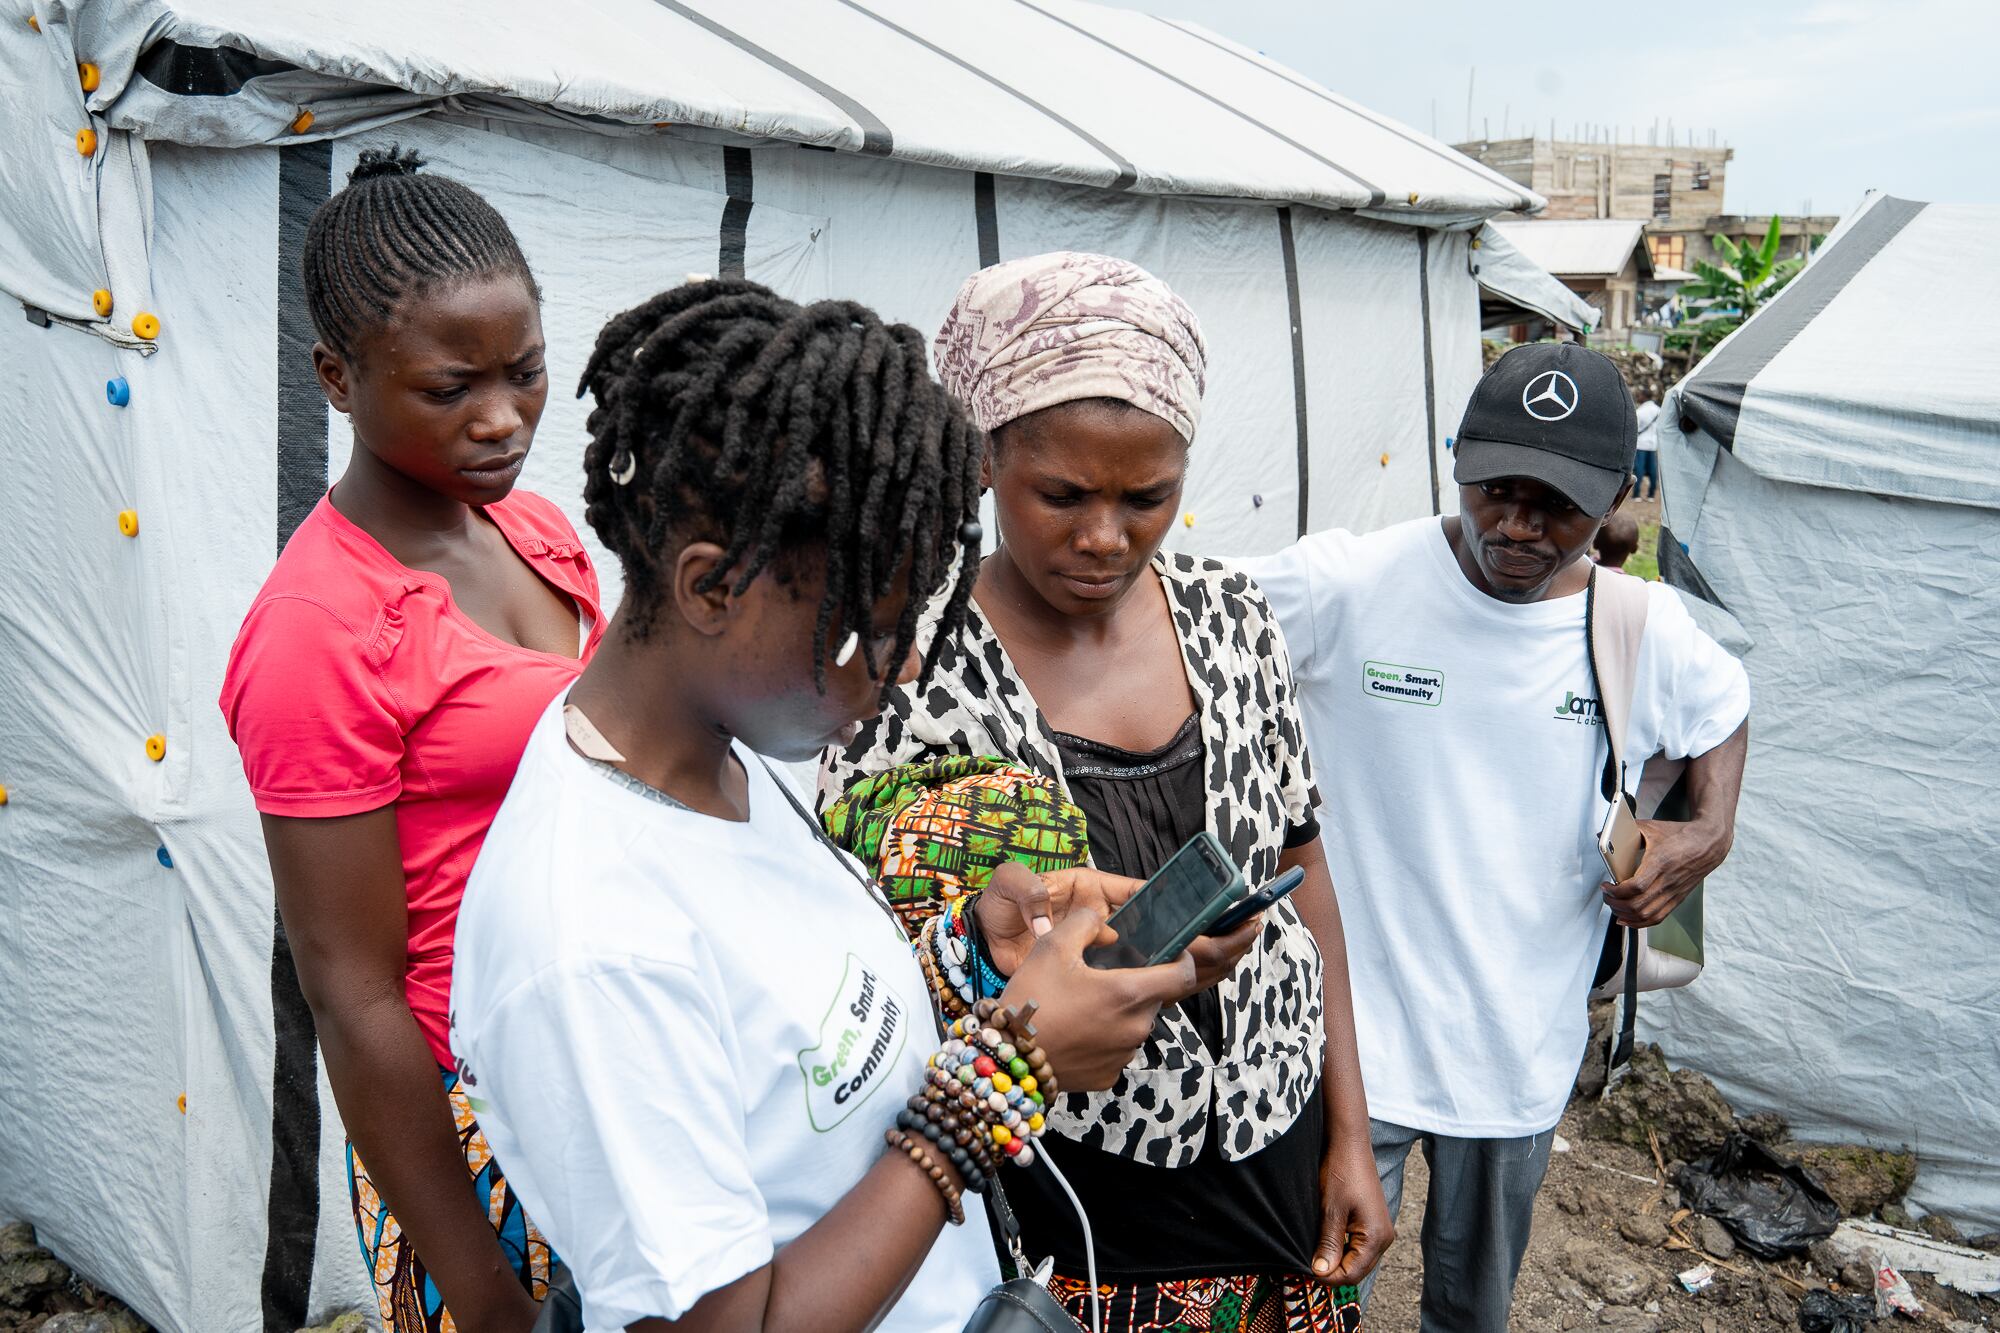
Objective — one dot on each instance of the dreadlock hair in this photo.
(728, 413)
(390, 235)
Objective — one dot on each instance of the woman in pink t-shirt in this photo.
(381, 690)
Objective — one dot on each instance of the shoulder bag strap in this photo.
(1614, 622)
(1615, 626)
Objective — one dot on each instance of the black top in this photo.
(1212, 1217)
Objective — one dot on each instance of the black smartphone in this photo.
(1196, 885)
(1258, 901)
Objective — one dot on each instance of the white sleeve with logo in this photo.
(1693, 691)
(611, 1106)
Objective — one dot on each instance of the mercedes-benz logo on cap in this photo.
(1550, 396)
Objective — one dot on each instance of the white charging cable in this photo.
(1047, 1159)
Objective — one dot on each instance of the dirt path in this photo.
(1601, 1230)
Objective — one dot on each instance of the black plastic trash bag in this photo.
(1824, 1312)
(1772, 1206)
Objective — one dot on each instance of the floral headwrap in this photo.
(940, 827)
(1033, 333)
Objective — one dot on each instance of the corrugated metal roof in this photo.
(1581, 248)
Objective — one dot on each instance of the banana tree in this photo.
(1746, 277)
(1726, 294)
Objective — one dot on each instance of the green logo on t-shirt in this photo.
(1576, 708)
(1410, 685)
(860, 1037)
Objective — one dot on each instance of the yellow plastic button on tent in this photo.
(100, 301)
(3, 793)
(302, 123)
(156, 747)
(128, 522)
(88, 75)
(1385, 460)
(1187, 519)
(86, 141)
(146, 325)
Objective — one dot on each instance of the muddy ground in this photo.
(1604, 1256)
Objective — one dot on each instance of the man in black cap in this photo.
(1457, 738)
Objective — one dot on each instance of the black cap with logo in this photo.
(1557, 413)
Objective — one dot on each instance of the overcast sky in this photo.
(1821, 99)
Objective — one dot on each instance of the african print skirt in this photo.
(1287, 1303)
(410, 1302)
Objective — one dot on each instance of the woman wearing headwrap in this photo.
(1227, 1174)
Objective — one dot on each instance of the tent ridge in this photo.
(1127, 174)
(876, 138)
(1375, 192)
(1530, 202)
(1713, 394)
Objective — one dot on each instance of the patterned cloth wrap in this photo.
(1264, 1303)
(1038, 332)
(408, 1298)
(940, 827)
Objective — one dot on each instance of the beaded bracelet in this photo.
(1019, 1024)
(950, 1002)
(964, 1123)
(999, 1083)
(896, 1138)
(986, 980)
(945, 1130)
(948, 939)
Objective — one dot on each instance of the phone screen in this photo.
(1172, 906)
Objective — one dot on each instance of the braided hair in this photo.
(390, 235)
(728, 413)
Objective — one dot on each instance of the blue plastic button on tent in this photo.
(117, 392)
(164, 858)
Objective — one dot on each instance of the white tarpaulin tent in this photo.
(1834, 468)
(1526, 284)
(163, 1120)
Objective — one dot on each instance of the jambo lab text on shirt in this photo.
(1576, 708)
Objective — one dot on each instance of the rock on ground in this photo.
(1609, 1275)
(1681, 1106)
(1714, 1238)
(1645, 1230)
(1861, 1180)
(95, 1321)
(351, 1322)
(38, 1294)
(27, 1281)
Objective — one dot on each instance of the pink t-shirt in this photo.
(356, 682)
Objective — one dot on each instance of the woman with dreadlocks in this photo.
(699, 1038)
(380, 691)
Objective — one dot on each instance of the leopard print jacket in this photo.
(1259, 780)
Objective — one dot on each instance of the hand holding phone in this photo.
(1195, 887)
(1620, 841)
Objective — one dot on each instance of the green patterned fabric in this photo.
(941, 826)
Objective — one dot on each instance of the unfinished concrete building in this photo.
(1676, 191)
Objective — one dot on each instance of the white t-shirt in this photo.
(1649, 426)
(1458, 751)
(684, 1036)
